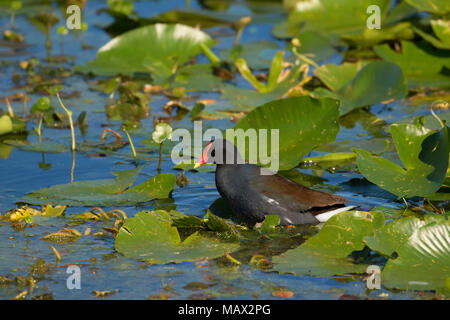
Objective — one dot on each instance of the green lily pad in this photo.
(276, 87)
(158, 49)
(303, 124)
(6, 125)
(189, 166)
(424, 154)
(375, 146)
(435, 6)
(331, 159)
(197, 78)
(429, 121)
(252, 53)
(423, 261)
(388, 239)
(333, 18)
(105, 192)
(376, 82)
(270, 222)
(441, 29)
(336, 76)
(327, 253)
(150, 236)
(315, 46)
(44, 147)
(370, 37)
(420, 66)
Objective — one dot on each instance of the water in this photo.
(102, 268)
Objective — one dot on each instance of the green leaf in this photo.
(423, 261)
(189, 166)
(335, 76)
(316, 46)
(44, 147)
(198, 78)
(390, 237)
(370, 37)
(376, 82)
(326, 254)
(6, 124)
(375, 145)
(275, 71)
(252, 53)
(270, 222)
(158, 49)
(421, 67)
(333, 18)
(303, 124)
(335, 157)
(150, 236)
(105, 192)
(247, 74)
(41, 105)
(441, 29)
(424, 154)
(125, 7)
(439, 7)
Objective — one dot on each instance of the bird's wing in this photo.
(292, 194)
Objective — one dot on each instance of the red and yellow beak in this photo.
(204, 157)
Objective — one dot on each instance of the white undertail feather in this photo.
(327, 215)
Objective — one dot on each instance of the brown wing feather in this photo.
(295, 195)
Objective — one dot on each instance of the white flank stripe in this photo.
(327, 215)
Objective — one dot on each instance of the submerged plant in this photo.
(45, 21)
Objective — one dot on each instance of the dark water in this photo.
(103, 268)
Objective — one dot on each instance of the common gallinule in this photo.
(251, 195)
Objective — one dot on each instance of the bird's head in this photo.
(220, 151)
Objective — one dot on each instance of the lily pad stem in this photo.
(69, 114)
(160, 157)
(132, 147)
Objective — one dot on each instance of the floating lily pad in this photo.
(6, 125)
(435, 6)
(375, 146)
(327, 253)
(441, 29)
(105, 192)
(198, 78)
(315, 46)
(421, 67)
(370, 37)
(44, 147)
(388, 239)
(303, 124)
(424, 154)
(419, 252)
(157, 49)
(189, 165)
(376, 82)
(253, 53)
(150, 236)
(333, 18)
